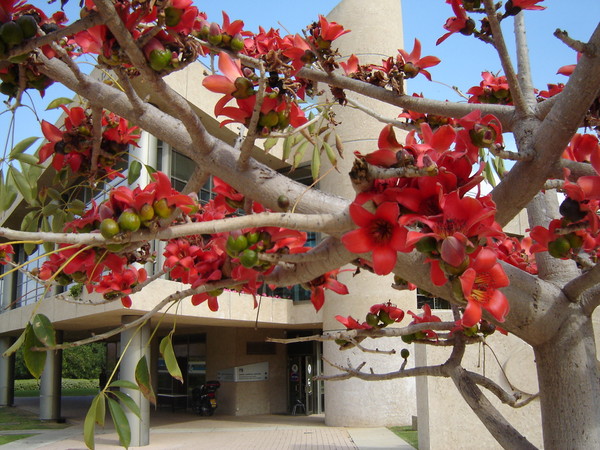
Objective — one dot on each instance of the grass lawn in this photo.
(17, 419)
(70, 387)
(408, 434)
(64, 392)
(5, 439)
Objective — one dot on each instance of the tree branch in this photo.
(418, 104)
(575, 288)
(248, 144)
(550, 138)
(326, 223)
(515, 88)
(523, 64)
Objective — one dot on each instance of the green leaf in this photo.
(287, 148)
(9, 193)
(150, 169)
(50, 209)
(34, 360)
(59, 101)
(101, 409)
(22, 146)
(315, 164)
(46, 227)
(30, 223)
(489, 175)
(313, 126)
(22, 185)
(330, 154)
(299, 155)
(55, 195)
(270, 143)
(33, 176)
(142, 378)
(168, 354)
(89, 425)
(13, 348)
(120, 420)
(135, 168)
(128, 402)
(58, 221)
(27, 158)
(43, 329)
(77, 207)
(124, 384)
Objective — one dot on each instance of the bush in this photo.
(85, 362)
(67, 384)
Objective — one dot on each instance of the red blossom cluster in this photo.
(433, 214)
(72, 147)
(6, 252)
(579, 228)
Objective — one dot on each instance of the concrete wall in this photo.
(226, 348)
(446, 421)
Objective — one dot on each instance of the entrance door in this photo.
(309, 384)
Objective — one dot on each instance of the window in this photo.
(29, 290)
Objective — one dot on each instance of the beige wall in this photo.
(446, 421)
(226, 348)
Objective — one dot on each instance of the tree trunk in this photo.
(570, 386)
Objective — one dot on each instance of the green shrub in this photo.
(67, 384)
(85, 362)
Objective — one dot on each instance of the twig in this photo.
(578, 46)
(553, 184)
(97, 136)
(397, 123)
(136, 101)
(381, 173)
(197, 180)
(248, 144)
(497, 150)
(509, 71)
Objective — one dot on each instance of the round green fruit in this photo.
(559, 248)
(129, 221)
(405, 353)
(146, 212)
(28, 26)
(253, 237)
(283, 202)
(408, 338)
(240, 243)
(372, 319)
(109, 228)
(173, 16)
(162, 208)
(160, 59)
(249, 258)
(11, 33)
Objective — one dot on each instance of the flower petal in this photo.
(384, 260)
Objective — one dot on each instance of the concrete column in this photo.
(134, 343)
(7, 373)
(50, 384)
(376, 33)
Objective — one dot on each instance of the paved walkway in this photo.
(184, 431)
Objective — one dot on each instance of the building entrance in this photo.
(305, 395)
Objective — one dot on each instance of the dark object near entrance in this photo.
(204, 399)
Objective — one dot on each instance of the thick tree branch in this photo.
(523, 64)
(327, 223)
(550, 138)
(578, 286)
(418, 104)
(173, 100)
(262, 183)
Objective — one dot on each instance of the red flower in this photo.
(426, 317)
(330, 31)
(326, 281)
(414, 64)
(378, 233)
(352, 324)
(5, 251)
(480, 284)
(394, 313)
(455, 24)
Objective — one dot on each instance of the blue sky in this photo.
(463, 59)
